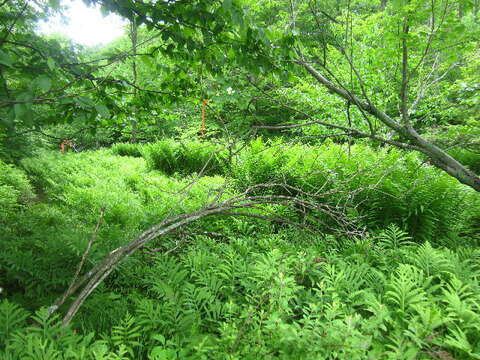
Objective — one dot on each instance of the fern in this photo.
(394, 238)
(12, 318)
(462, 305)
(125, 336)
(431, 261)
(459, 341)
(400, 347)
(406, 288)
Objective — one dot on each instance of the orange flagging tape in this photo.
(65, 144)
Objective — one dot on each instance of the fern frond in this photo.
(12, 318)
(394, 238)
(406, 288)
(431, 261)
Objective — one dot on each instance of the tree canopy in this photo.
(400, 68)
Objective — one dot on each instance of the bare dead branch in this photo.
(350, 132)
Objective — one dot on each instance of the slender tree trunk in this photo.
(133, 37)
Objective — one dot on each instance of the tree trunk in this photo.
(133, 38)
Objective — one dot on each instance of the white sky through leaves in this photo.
(85, 25)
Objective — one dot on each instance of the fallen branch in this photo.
(237, 205)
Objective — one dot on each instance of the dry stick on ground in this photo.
(87, 283)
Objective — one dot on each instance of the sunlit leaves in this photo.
(51, 64)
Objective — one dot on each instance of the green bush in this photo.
(260, 162)
(15, 190)
(460, 141)
(127, 149)
(17, 181)
(187, 157)
(468, 158)
(50, 236)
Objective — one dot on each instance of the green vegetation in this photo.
(170, 156)
(256, 288)
(329, 209)
(266, 296)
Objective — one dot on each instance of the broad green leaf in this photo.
(84, 102)
(102, 110)
(6, 122)
(227, 5)
(20, 110)
(44, 83)
(237, 17)
(5, 59)
(51, 64)
(147, 60)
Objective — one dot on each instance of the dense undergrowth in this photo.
(407, 287)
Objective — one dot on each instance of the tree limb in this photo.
(437, 156)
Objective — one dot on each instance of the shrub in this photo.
(386, 186)
(51, 236)
(127, 149)
(15, 190)
(188, 157)
(17, 181)
(468, 158)
(260, 162)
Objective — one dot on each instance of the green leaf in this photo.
(160, 338)
(51, 64)
(44, 83)
(148, 61)
(102, 110)
(84, 102)
(20, 110)
(227, 5)
(5, 59)
(237, 17)
(6, 123)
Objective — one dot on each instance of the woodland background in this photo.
(328, 209)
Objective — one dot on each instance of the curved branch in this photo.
(87, 283)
